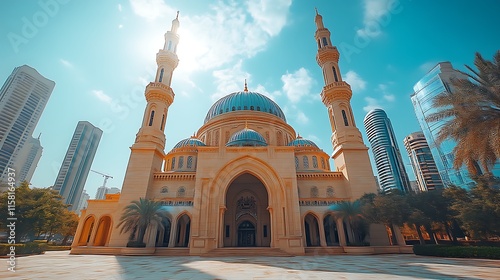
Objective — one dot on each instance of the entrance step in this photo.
(247, 251)
(165, 251)
(322, 251)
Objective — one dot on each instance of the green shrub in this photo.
(481, 252)
(24, 249)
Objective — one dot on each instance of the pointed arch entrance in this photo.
(87, 228)
(311, 228)
(103, 231)
(247, 220)
(183, 230)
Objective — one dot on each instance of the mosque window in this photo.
(239, 108)
(181, 192)
(162, 122)
(252, 108)
(221, 111)
(164, 190)
(319, 44)
(314, 192)
(325, 42)
(305, 161)
(329, 192)
(335, 74)
(227, 110)
(151, 118)
(245, 107)
(161, 75)
(315, 162)
(173, 164)
(181, 162)
(345, 118)
(258, 108)
(190, 162)
(296, 163)
(233, 109)
(323, 163)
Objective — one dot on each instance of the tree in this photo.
(352, 213)
(472, 116)
(138, 215)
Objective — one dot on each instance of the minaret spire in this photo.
(246, 88)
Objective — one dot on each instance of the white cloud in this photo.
(120, 26)
(427, 66)
(150, 9)
(297, 85)
(374, 13)
(302, 118)
(66, 63)
(102, 96)
(229, 80)
(356, 82)
(390, 97)
(270, 16)
(119, 7)
(385, 92)
(372, 104)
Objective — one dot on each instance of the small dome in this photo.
(193, 142)
(246, 137)
(244, 101)
(301, 142)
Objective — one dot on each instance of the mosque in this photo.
(244, 182)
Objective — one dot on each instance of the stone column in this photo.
(321, 228)
(399, 236)
(222, 210)
(341, 232)
(173, 233)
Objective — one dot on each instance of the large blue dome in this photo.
(301, 142)
(246, 137)
(193, 142)
(242, 101)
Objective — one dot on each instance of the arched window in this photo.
(181, 162)
(173, 164)
(345, 118)
(325, 42)
(161, 75)
(190, 162)
(329, 192)
(335, 74)
(319, 44)
(314, 192)
(162, 122)
(233, 109)
(323, 163)
(181, 192)
(169, 45)
(315, 162)
(252, 108)
(164, 190)
(151, 118)
(296, 163)
(305, 161)
(245, 107)
(258, 108)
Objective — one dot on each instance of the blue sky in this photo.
(101, 54)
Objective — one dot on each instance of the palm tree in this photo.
(472, 115)
(351, 212)
(138, 215)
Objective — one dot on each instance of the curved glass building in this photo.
(391, 171)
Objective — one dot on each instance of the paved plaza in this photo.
(61, 265)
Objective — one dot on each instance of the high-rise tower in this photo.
(77, 162)
(422, 162)
(390, 167)
(350, 154)
(22, 100)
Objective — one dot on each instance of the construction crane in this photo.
(106, 177)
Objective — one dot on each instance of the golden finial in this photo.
(298, 136)
(194, 135)
(246, 88)
(314, 8)
(177, 16)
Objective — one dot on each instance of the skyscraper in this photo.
(28, 159)
(422, 162)
(83, 202)
(23, 97)
(77, 162)
(438, 81)
(390, 167)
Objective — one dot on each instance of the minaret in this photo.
(350, 154)
(148, 151)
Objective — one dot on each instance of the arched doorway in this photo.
(246, 234)
(331, 233)
(163, 233)
(183, 229)
(103, 230)
(312, 230)
(247, 221)
(88, 225)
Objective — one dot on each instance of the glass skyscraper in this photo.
(438, 81)
(390, 167)
(77, 162)
(23, 97)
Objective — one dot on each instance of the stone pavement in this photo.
(61, 265)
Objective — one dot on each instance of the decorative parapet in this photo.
(320, 175)
(318, 202)
(176, 202)
(185, 176)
